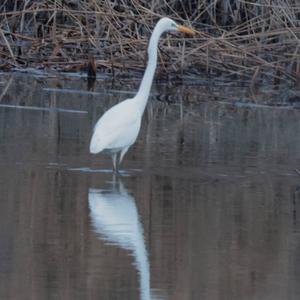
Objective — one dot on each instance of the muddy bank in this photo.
(244, 39)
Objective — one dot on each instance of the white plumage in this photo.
(118, 128)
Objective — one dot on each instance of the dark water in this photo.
(208, 206)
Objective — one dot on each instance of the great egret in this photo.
(118, 128)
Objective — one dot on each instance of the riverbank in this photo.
(253, 41)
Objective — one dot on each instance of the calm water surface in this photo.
(207, 207)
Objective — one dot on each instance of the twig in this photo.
(8, 46)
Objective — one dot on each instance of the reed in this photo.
(255, 40)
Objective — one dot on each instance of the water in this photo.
(207, 207)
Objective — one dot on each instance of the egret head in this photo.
(169, 25)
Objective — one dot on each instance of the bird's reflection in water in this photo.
(115, 218)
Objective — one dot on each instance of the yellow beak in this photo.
(185, 29)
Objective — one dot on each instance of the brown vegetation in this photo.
(251, 39)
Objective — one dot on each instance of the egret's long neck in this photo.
(145, 86)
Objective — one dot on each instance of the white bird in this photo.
(118, 128)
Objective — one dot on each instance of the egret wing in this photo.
(117, 128)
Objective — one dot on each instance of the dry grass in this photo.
(249, 39)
